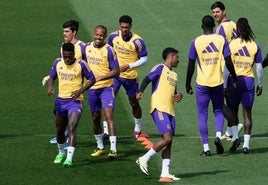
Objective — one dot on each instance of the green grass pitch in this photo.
(31, 33)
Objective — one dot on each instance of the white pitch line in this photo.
(128, 136)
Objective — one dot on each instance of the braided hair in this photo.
(244, 30)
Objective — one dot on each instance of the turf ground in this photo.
(30, 35)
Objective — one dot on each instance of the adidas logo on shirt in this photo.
(210, 48)
(242, 52)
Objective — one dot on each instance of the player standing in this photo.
(245, 53)
(102, 61)
(210, 50)
(227, 29)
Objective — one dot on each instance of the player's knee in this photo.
(96, 117)
(167, 139)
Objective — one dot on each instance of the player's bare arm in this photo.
(50, 88)
(77, 93)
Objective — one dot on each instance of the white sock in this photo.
(112, 143)
(218, 134)
(148, 154)
(99, 141)
(240, 127)
(206, 147)
(66, 133)
(165, 167)
(105, 127)
(228, 131)
(61, 148)
(70, 153)
(246, 141)
(235, 132)
(137, 125)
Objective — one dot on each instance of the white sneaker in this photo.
(143, 165)
(228, 138)
(240, 127)
(172, 177)
(53, 140)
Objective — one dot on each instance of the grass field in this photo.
(30, 37)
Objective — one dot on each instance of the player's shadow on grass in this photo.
(258, 150)
(128, 150)
(252, 151)
(120, 141)
(157, 136)
(191, 175)
(123, 156)
(260, 135)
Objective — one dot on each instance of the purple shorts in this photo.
(101, 98)
(63, 107)
(244, 93)
(164, 122)
(131, 86)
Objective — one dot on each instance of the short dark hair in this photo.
(167, 51)
(68, 47)
(217, 4)
(103, 27)
(125, 19)
(208, 21)
(74, 25)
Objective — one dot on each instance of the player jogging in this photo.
(131, 53)
(68, 103)
(164, 94)
(70, 31)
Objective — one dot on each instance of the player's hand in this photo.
(259, 90)
(123, 68)
(139, 95)
(75, 94)
(235, 84)
(44, 81)
(50, 91)
(189, 89)
(226, 93)
(178, 97)
(98, 78)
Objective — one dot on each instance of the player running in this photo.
(70, 73)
